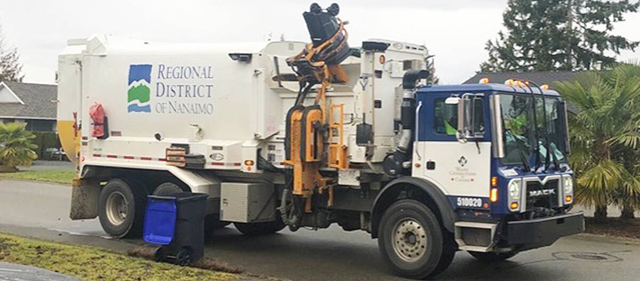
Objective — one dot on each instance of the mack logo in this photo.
(139, 93)
(536, 193)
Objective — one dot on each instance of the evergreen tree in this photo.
(10, 68)
(431, 66)
(558, 35)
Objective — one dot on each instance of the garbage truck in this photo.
(306, 135)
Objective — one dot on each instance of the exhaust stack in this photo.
(394, 163)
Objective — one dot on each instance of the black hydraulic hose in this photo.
(302, 93)
(265, 165)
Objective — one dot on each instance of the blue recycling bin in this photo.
(160, 221)
(176, 224)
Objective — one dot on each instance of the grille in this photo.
(545, 196)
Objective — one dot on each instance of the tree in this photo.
(547, 35)
(16, 148)
(605, 137)
(10, 68)
(431, 66)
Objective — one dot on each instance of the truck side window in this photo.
(446, 118)
(478, 118)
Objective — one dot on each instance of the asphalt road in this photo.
(41, 210)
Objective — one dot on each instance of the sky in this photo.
(455, 31)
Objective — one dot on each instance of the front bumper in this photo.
(536, 233)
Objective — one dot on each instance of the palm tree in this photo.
(605, 137)
(15, 146)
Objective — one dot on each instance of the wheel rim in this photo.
(409, 240)
(117, 208)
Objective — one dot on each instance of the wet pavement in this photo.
(18, 272)
(40, 210)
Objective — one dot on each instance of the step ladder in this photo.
(337, 149)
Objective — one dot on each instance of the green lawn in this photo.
(90, 263)
(57, 176)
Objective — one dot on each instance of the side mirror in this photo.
(470, 117)
(563, 116)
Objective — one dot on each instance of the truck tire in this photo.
(448, 253)
(491, 257)
(260, 228)
(167, 188)
(410, 240)
(121, 209)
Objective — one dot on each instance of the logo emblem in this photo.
(462, 161)
(536, 193)
(139, 92)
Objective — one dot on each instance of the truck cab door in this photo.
(460, 168)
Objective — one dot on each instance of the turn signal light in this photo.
(248, 162)
(568, 199)
(494, 181)
(493, 197)
(514, 205)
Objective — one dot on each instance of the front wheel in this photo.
(411, 241)
(491, 257)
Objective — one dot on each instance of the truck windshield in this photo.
(520, 130)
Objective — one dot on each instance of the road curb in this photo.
(607, 238)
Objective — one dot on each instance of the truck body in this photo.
(426, 169)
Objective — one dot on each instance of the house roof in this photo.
(37, 101)
(539, 77)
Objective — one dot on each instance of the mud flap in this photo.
(84, 199)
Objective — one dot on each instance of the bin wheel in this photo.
(183, 258)
(160, 255)
(491, 257)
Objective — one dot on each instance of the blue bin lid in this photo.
(159, 221)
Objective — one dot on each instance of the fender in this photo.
(447, 214)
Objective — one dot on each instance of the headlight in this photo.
(568, 185)
(514, 190)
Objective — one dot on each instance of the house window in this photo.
(39, 125)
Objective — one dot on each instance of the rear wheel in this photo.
(410, 240)
(167, 188)
(121, 208)
(491, 257)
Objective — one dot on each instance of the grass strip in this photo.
(57, 176)
(90, 263)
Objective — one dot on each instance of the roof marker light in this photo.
(545, 86)
(509, 82)
(484, 80)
